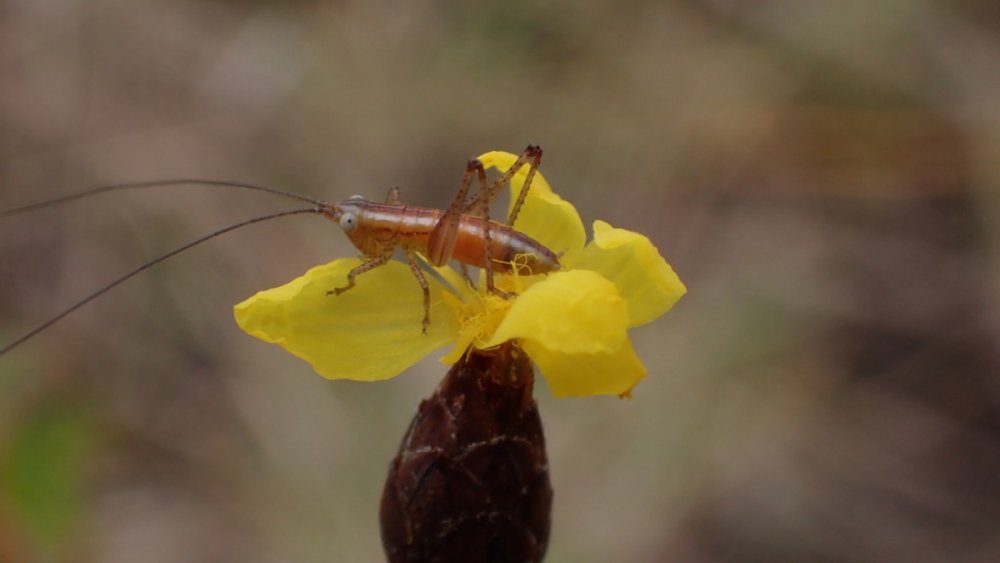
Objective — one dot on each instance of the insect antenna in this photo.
(115, 283)
(152, 184)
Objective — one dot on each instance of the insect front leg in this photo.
(411, 259)
(358, 270)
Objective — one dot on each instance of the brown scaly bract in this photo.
(470, 481)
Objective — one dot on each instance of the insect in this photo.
(462, 232)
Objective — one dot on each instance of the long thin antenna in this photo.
(152, 184)
(147, 265)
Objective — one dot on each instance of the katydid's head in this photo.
(346, 213)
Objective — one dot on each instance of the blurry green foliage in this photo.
(43, 473)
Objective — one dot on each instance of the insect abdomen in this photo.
(506, 245)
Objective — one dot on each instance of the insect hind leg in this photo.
(441, 243)
(483, 210)
(532, 157)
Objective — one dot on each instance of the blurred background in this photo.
(823, 176)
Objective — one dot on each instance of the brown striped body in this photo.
(382, 227)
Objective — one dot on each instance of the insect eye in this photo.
(348, 220)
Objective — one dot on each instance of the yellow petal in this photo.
(578, 375)
(572, 312)
(545, 216)
(370, 332)
(630, 260)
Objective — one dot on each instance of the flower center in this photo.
(479, 318)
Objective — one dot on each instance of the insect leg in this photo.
(442, 241)
(465, 275)
(483, 210)
(393, 196)
(411, 259)
(534, 154)
(358, 270)
(531, 154)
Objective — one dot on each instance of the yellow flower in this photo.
(572, 323)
